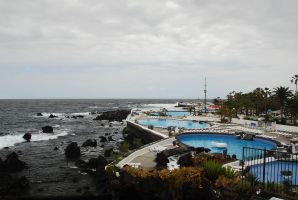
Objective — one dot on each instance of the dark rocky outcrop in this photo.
(103, 139)
(47, 129)
(186, 160)
(27, 137)
(73, 151)
(99, 162)
(110, 138)
(248, 136)
(13, 185)
(56, 148)
(117, 115)
(52, 116)
(12, 163)
(199, 149)
(89, 143)
(39, 114)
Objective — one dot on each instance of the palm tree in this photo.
(282, 94)
(295, 81)
(293, 108)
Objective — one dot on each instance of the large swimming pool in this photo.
(217, 142)
(164, 123)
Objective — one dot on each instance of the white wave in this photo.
(81, 113)
(11, 140)
(56, 126)
(59, 115)
(94, 107)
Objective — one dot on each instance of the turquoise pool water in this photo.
(178, 113)
(234, 145)
(164, 123)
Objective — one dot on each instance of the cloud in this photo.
(237, 45)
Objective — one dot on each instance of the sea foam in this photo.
(11, 140)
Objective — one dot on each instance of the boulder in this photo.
(39, 114)
(13, 164)
(116, 115)
(73, 150)
(110, 138)
(99, 162)
(52, 116)
(80, 116)
(56, 148)
(74, 117)
(186, 160)
(248, 136)
(103, 139)
(81, 164)
(89, 143)
(47, 129)
(27, 137)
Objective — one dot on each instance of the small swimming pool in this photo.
(178, 113)
(216, 142)
(164, 123)
(273, 171)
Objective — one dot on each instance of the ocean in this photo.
(49, 172)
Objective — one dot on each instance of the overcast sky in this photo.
(145, 49)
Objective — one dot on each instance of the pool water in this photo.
(234, 145)
(164, 123)
(178, 113)
(273, 171)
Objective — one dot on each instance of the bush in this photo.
(124, 147)
(137, 142)
(213, 170)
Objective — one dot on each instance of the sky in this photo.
(145, 49)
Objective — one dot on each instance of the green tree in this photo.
(282, 95)
(293, 108)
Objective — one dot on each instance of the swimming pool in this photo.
(215, 142)
(173, 113)
(164, 123)
(273, 171)
(178, 113)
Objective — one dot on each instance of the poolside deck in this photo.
(145, 158)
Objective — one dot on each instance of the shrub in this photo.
(213, 170)
(137, 142)
(124, 147)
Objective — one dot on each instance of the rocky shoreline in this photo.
(51, 170)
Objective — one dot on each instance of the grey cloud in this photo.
(176, 43)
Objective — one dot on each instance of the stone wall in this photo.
(146, 134)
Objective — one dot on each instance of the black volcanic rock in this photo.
(117, 115)
(52, 116)
(89, 143)
(110, 138)
(80, 116)
(73, 150)
(103, 139)
(99, 162)
(39, 114)
(47, 129)
(27, 137)
(186, 160)
(12, 163)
